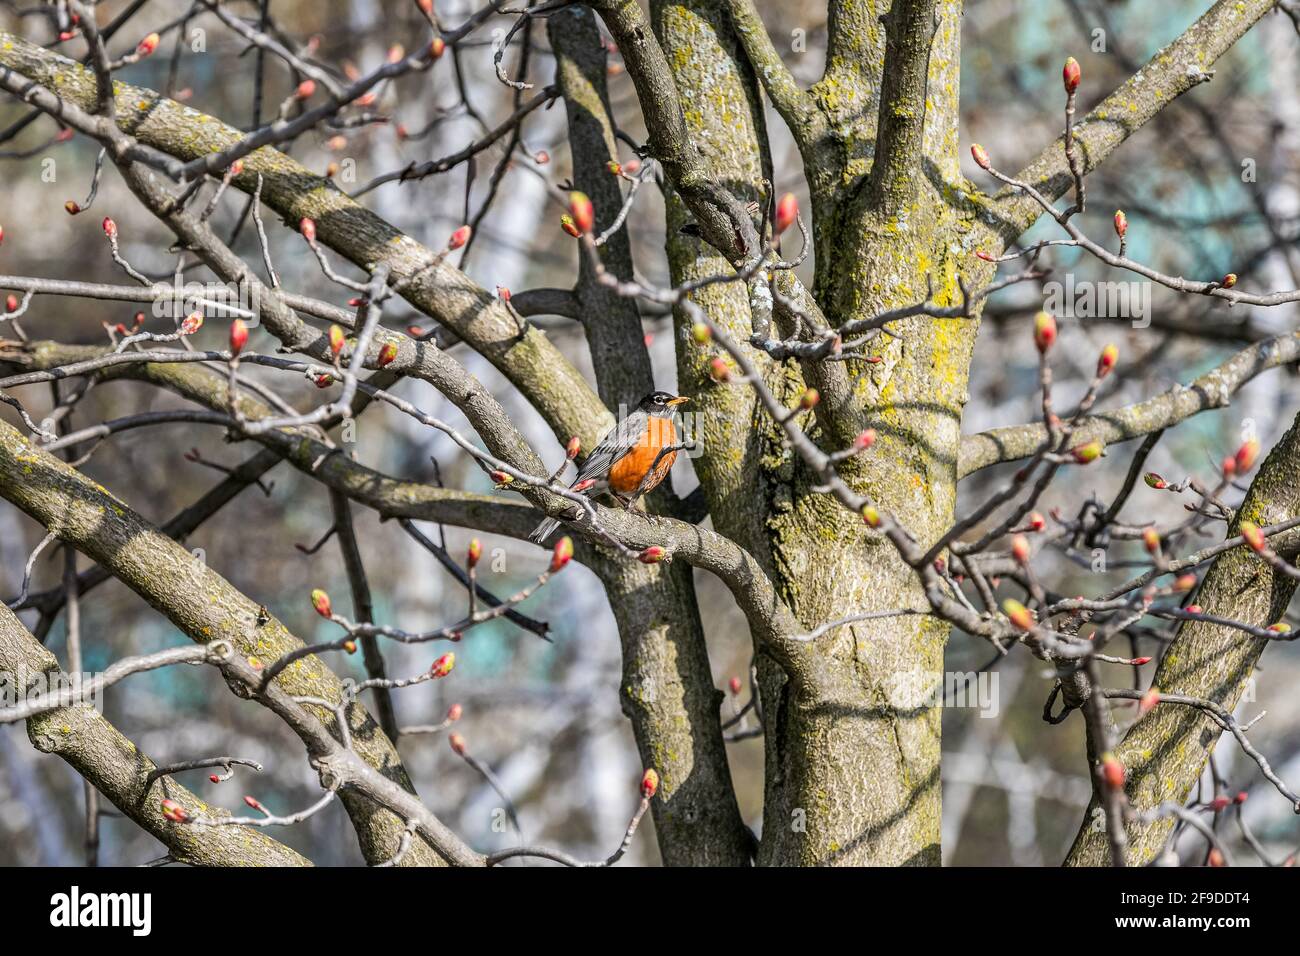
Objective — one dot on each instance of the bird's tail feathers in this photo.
(543, 531)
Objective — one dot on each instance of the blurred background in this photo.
(1212, 186)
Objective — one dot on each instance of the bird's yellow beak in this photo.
(679, 400)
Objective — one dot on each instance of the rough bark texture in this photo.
(111, 763)
(739, 466)
(1165, 751)
(197, 600)
(851, 776)
(667, 689)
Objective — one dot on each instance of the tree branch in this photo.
(528, 360)
(114, 766)
(1214, 389)
(1171, 72)
(1165, 751)
(196, 599)
(896, 168)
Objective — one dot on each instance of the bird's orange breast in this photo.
(629, 471)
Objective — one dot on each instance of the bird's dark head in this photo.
(661, 403)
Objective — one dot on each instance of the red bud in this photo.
(1254, 536)
(305, 89)
(734, 685)
(569, 226)
(307, 227)
(865, 439)
(584, 214)
(454, 712)
(1106, 362)
(459, 238)
(191, 323)
(1020, 549)
(1148, 701)
(11, 303)
(651, 555)
(980, 156)
(437, 46)
(1229, 280)
(386, 354)
(562, 554)
(1121, 223)
(573, 448)
(110, 228)
(1112, 771)
(320, 600)
(457, 743)
(1071, 74)
(787, 211)
(148, 44)
(253, 802)
(1037, 522)
(238, 336)
(1089, 452)
(649, 783)
(72, 206)
(1246, 455)
(174, 812)
(337, 339)
(443, 665)
(474, 553)
(1044, 331)
(1018, 614)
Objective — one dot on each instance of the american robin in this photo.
(633, 457)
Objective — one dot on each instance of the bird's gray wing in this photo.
(618, 441)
